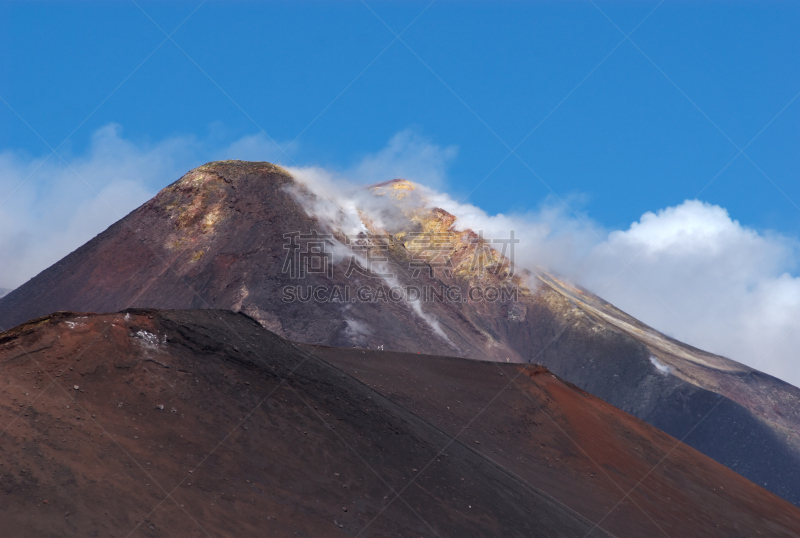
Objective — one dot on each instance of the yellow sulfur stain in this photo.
(178, 244)
(211, 218)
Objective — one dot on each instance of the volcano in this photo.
(202, 422)
(383, 270)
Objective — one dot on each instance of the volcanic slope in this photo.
(202, 423)
(231, 235)
(165, 423)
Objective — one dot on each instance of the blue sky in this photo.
(649, 150)
(626, 139)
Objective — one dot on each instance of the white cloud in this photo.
(689, 271)
(257, 147)
(60, 206)
(408, 156)
(696, 274)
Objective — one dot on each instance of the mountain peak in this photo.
(395, 184)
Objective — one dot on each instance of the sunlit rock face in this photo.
(384, 268)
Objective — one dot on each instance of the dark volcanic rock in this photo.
(216, 239)
(184, 423)
(203, 423)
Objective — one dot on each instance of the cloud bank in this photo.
(696, 274)
(691, 271)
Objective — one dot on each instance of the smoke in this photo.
(335, 201)
(342, 206)
(662, 368)
(356, 330)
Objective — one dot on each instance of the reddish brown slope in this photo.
(255, 438)
(582, 451)
(258, 437)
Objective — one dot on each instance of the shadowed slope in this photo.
(585, 453)
(203, 423)
(197, 423)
